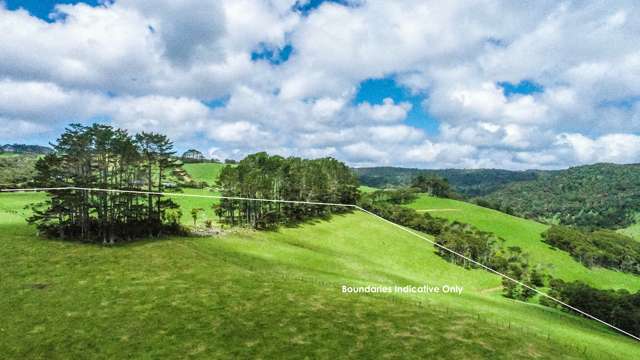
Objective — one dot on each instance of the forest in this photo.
(467, 182)
(603, 248)
(263, 176)
(101, 156)
(591, 196)
(617, 307)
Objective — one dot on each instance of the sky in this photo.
(428, 84)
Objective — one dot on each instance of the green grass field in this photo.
(266, 295)
(633, 230)
(526, 234)
(4, 155)
(367, 189)
(207, 172)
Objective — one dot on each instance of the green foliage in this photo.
(194, 214)
(260, 176)
(17, 170)
(102, 157)
(433, 185)
(468, 182)
(392, 196)
(593, 196)
(617, 307)
(599, 248)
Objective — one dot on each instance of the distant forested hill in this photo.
(24, 149)
(600, 195)
(468, 182)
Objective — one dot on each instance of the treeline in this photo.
(590, 197)
(616, 307)
(603, 248)
(466, 182)
(100, 156)
(293, 179)
(483, 247)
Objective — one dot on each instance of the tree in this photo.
(103, 157)
(194, 214)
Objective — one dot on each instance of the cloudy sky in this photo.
(507, 84)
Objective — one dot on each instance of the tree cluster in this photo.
(616, 307)
(434, 186)
(103, 157)
(603, 248)
(261, 176)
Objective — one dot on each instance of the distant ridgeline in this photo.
(24, 149)
(591, 196)
(468, 182)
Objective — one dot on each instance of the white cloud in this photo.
(152, 65)
(621, 148)
(386, 112)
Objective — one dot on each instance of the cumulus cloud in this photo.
(388, 111)
(155, 65)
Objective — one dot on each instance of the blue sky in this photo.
(375, 91)
(42, 8)
(417, 83)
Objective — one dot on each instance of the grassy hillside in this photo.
(526, 234)
(633, 230)
(267, 294)
(207, 172)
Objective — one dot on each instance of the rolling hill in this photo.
(527, 235)
(207, 172)
(267, 294)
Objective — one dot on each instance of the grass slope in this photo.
(526, 234)
(207, 172)
(633, 230)
(266, 295)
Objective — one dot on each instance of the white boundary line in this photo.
(341, 205)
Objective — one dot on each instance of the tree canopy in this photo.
(103, 157)
(293, 179)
